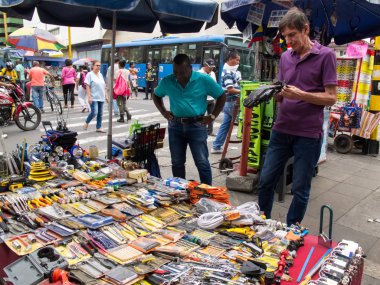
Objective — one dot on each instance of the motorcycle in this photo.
(13, 107)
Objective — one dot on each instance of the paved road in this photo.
(142, 110)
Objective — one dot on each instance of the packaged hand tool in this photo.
(144, 244)
(114, 234)
(71, 223)
(16, 227)
(114, 213)
(45, 236)
(92, 267)
(103, 240)
(127, 209)
(54, 212)
(123, 254)
(94, 221)
(121, 275)
(60, 229)
(23, 244)
(97, 206)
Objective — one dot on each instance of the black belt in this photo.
(188, 120)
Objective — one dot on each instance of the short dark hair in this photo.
(295, 18)
(68, 62)
(117, 59)
(182, 58)
(132, 63)
(233, 53)
(122, 63)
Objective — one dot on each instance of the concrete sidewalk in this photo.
(350, 183)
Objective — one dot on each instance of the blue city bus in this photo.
(161, 51)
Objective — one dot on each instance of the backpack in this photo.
(82, 79)
(121, 87)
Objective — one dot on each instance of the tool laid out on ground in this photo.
(35, 267)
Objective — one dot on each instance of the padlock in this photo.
(324, 240)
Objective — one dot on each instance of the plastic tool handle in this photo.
(305, 264)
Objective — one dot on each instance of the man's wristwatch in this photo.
(212, 116)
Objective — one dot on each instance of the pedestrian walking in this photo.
(21, 75)
(37, 83)
(96, 94)
(122, 88)
(150, 79)
(309, 71)
(68, 77)
(134, 79)
(230, 83)
(81, 87)
(187, 92)
(207, 69)
(110, 84)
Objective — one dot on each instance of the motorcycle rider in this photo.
(9, 71)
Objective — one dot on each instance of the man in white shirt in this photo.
(207, 68)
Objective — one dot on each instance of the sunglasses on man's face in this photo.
(97, 65)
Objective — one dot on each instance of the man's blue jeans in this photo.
(194, 135)
(37, 95)
(225, 126)
(306, 153)
(96, 110)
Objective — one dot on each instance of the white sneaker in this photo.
(215, 151)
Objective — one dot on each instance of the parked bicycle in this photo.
(52, 97)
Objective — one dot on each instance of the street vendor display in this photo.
(97, 223)
(69, 217)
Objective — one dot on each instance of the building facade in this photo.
(12, 25)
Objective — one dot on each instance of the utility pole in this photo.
(5, 27)
(70, 54)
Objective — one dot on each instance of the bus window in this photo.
(136, 54)
(168, 53)
(124, 53)
(154, 56)
(214, 53)
(192, 51)
(106, 55)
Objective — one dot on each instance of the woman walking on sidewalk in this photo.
(68, 82)
(81, 87)
(122, 87)
(96, 94)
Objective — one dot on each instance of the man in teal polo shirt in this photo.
(187, 92)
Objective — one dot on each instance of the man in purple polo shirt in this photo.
(309, 71)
